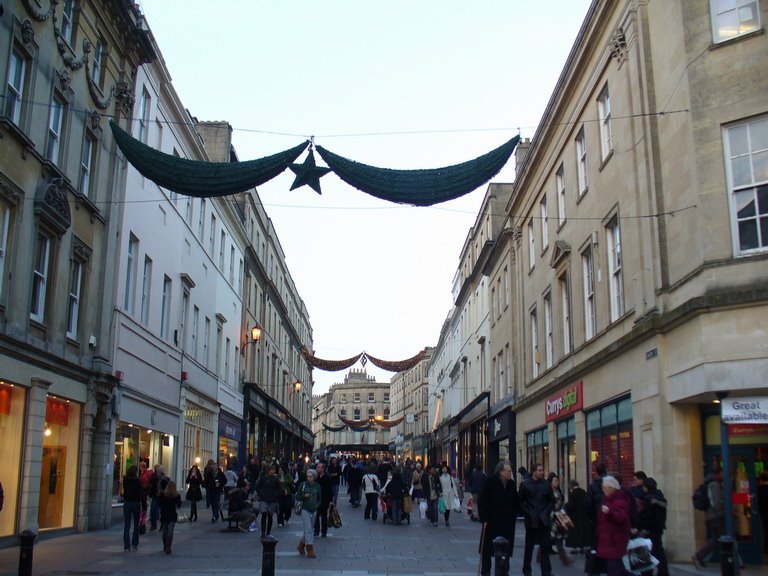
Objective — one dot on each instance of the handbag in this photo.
(335, 519)
(638, 558)
(407, 504)
(441, 505)
(422, 509)
(456, 504)
(563, 520)
(298, 507)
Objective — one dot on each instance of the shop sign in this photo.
(744, 410)
(499, 426)
(748, 429)
(565, 402)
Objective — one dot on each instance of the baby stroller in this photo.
(386, 511)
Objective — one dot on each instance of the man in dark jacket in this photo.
(240, 507)
(537, 501)
(595, 500)
(653, 521)
(497, 507)
(326, 500)
(354, 473)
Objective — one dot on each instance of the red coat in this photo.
(613, 527)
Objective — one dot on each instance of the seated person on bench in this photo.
(239, 506)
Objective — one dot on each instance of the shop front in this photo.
(229, 441)
(473, 437)
(12, 403)
(144, 433)
(745, 474)
(561, 410)
(501, 442)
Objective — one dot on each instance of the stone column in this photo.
(29, 496)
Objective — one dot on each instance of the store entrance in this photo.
(748, 475)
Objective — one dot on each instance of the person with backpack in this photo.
(714, 515)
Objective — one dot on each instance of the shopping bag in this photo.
(563, 520)
(470, 505)
(182, 518)
(456, 504)
(422, 509)
(638, 559)
(142, 522)
(441, 505)
(407, 504)
(335, 519)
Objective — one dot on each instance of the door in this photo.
(746, 466)
(52, 486)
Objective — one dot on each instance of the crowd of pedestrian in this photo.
(598, 522)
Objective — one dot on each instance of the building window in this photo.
(86, 164)
(604, 117)
(222, 247)
(747, 161)
(544, 223)
(531, 245)
(731, 18)
(227, 375)
(55, 124)
(219, 345)
(184, 319)
(616, 285)
(371, 397)
(538, 448)
(343, 398)
(73, 308)
(195, 327)
(548, 330)
(165, 313)
(581, 161)
(386, 396)
(505, 279)
(201, 220)
(212, 236)
(232, 265)
(534, 345)
(357, 396)
(144, 116)
(206, 341)
(371, 413)
(66, 21)
(146, 286)
(40, 272)
(356, 414)
(188, 211)
(5, 227)
(560, 185)
(96, 63)
(588, 272)
(565, 312)
(14, 95)
(130, 272)
(610, 439)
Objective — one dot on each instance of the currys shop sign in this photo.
(565, 402)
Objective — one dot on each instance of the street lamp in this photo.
(255, 333)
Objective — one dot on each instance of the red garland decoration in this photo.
(328, 365)
(397, 366)
(372, 422)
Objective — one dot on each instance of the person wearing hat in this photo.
(308, 493)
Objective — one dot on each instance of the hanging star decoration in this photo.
(308, 173)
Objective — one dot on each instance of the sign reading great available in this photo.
(565, 402)
(744, 410)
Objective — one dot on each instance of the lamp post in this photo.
(255, 334)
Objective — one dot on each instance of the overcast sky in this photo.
(395, 84)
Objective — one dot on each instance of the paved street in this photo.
(359, 548)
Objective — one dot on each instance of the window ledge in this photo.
(581, 195)
(736, 39)
(606, 160)
(560, 225)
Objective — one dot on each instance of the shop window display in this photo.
(58, 478)
(12, 399)
(566, 450)
(611, 440)
(538, 448)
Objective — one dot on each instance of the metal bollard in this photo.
(728, 560)
(501, 555)
(268, 545)
(26, 547)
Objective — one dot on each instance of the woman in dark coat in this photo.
(194, 494)
(578, 536)
(613, 526)
(395, 489)
(132, 495)
(497, 508)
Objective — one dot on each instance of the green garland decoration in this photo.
(420, 187)
(198, 178)
(400, 366)
(334, 428)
